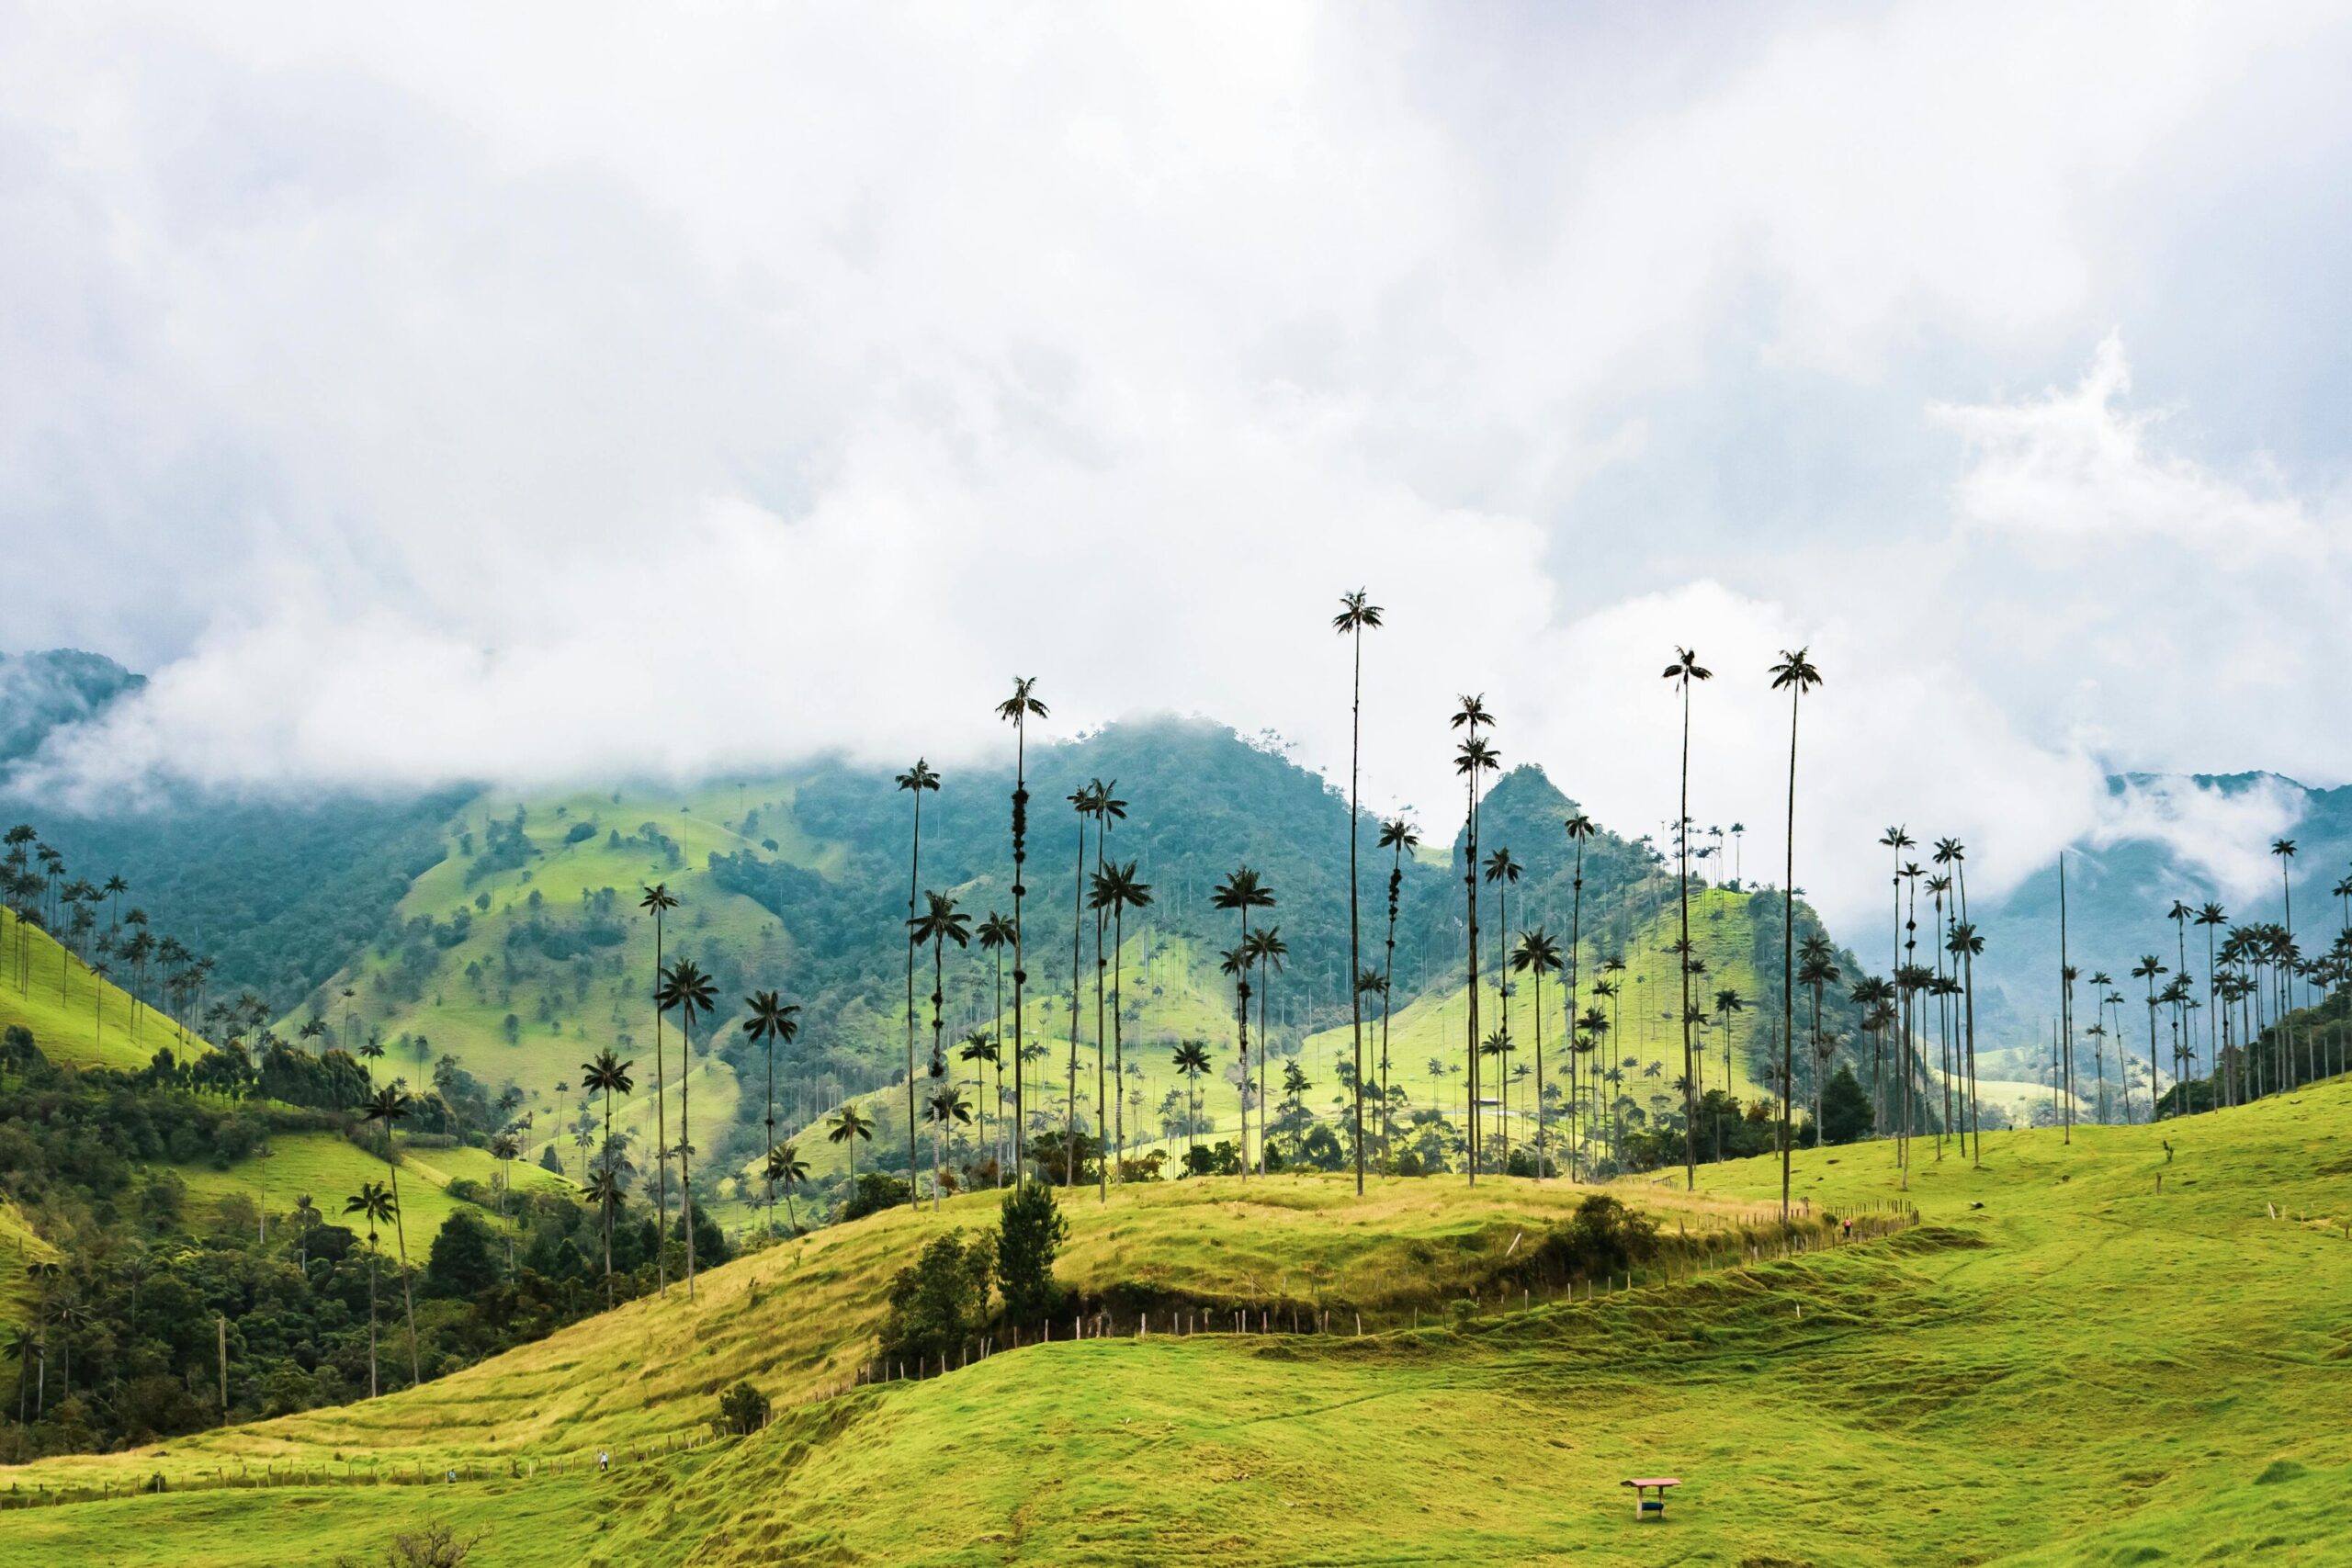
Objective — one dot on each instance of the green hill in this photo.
(77, 1016)
(2107, 1351)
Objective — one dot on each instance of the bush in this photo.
(1846, 1114)
(742, 1410)
(874, 1192)
(939, 1302)
(1030, 1232)
(1605, 1237)
(434, 1546)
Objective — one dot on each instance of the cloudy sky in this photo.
(540, 393)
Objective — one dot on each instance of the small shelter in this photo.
(1644, 1506)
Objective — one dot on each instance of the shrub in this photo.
(1030, 1232)
(939, 1301)
(1605, 1236)
(874, 1192)
(742, 1410)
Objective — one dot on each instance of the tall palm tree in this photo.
(786, 1170)
(375, 1203)
(940, 923)
(25, 1348)
(608, 1076)
(945, 1108)
(1682, 673)
(848, 1125)
(980, 1052)
(1265, 950)
(1117, 888)
(687, 989)
(2147, 969)
(773, 1022)
(1108, 811)
(915, 781)
(371, 1051)
(306, 1214)
(390, 1107)
(1018, 710)
(1796, 675)
(1473, 756)
(1539, 955)
(1086, 801)
(659, 901)
(1357, 614)
(1502, 875)
(1192, 1059)
(2284, 849)
(1397, 836)
(2210, 915)
(1729, 1002)
(996, 934)
(1241, 892)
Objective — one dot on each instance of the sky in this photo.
(564, 392)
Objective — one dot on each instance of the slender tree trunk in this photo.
(661, 1132)
(1119, 1031)
(1020, 975)
(400, 1233)
(1355, 832)
(914, 877)
(1077, 956)
(1102, 1110)
(1690, 1069)
(373, 1256)
(1789, 972)
(685, 1142)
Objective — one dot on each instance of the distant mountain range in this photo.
(42, 692)
(2167, 837)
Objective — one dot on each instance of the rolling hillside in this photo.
(1836, 1407)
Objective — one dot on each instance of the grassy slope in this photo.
(331, 1169)
(466, 1019)
(2083, 1370)
(90, 1025)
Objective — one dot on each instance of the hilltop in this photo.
(1927, 1398)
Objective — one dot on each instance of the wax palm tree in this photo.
(1265, 950)
(1241, 892)
(1018, 710)
(980, 1052)
(1397, 836)
(608, 1076)
(1117, 888)
(390, 1107)
(848, 1125)
(944, 1111)
(1472, 758)
(1192, 1059)
(1683, 671)
(1796, 675)
(773, 1022)
(1357, 615)
(1729, 1002)
(687, 990)
(1538, 954)
(915, 781)
(374, 1204)
(1086, 801)
(1108, 811)
(940, 923)
(658, 902)
(24, 1349)
(2284, 849)
(785, 1169)
(996, 934)
(1502, 875)
(2147, 969)
(2210, 915)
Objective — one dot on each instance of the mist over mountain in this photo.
(43, 692)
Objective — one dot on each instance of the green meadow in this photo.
(2094, 1350)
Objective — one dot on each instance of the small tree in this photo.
(742, 1410)
(941, 1301)
(1030, 1232)
(1846, 1114)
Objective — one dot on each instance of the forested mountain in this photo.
(2190, 839)
(41, 693)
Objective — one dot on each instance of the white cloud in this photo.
(537, 393)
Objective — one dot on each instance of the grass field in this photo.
(2083, 1369)
(90, 1024)
(331, 1169)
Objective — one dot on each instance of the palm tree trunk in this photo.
(661, 1132)
(1355, 959)
(1118, 1030)
(1019, 975)
(1682, 847)
(1077, 955)
(914, 874)
(686, 1144)
(938, 999)
(372, 1255)
(1470, 882)
(399, 1232)
(1102, 1112)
